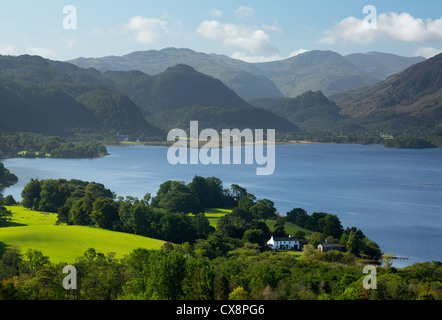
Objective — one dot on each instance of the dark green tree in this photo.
(235, 223)
(11, 263)
(5, 216)
(31, 195)
(202, 225)
(279, 230)
(175, 196)
(210, 192)
(105, 214)
(354, 244)
(9, 201)
(331, 226)
(298, 216)
(246, 202)
(178, 201)
(255, 236)
(263, 209)
(53, 195)
(237, 192)
(199, 281)
(80, 212)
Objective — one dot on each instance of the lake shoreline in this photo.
(203, 143)
(376, 188)
(207, 143)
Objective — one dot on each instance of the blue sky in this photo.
(258, 30)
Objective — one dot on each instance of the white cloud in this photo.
(298, 52)
(69, 42)
(42, 52)
(390, 26)
(427, 52)
(216, 13)
(245, 12)
(238, 36)
(273, 28)
(6, 49)
(255, 59)
(145, 30)
(97, 31)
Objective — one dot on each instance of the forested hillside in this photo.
(30, 145)
(311, 111)
(411, 99)
(181, 94)
(55, 98)
(177, 87)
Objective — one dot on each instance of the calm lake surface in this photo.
(393, 195)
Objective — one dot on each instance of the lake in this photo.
(393, 195)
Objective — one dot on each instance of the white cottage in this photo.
(284, 243)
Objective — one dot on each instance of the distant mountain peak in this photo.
(324, 70)
(181, 67)
(248, 85)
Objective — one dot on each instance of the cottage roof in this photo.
(330, 245)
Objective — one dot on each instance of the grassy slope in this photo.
(215, 213)
(36, 230)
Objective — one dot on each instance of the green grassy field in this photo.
(288, 227)
(215, 214)
(62, 243)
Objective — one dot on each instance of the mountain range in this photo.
(354, 93)
(326, 71)
(408, 102)
(58, 98)
(246, 84)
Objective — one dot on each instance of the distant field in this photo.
(25, 217)
(214, 214)
(288, 227)
(36, 230)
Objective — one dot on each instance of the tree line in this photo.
(182, 272)
(412, 138)
(199, 262)
(328, 226)
(32, 145)
(176, 214)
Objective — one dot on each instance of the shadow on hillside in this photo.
(13, 224)
(3, 247)
(219, 210)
